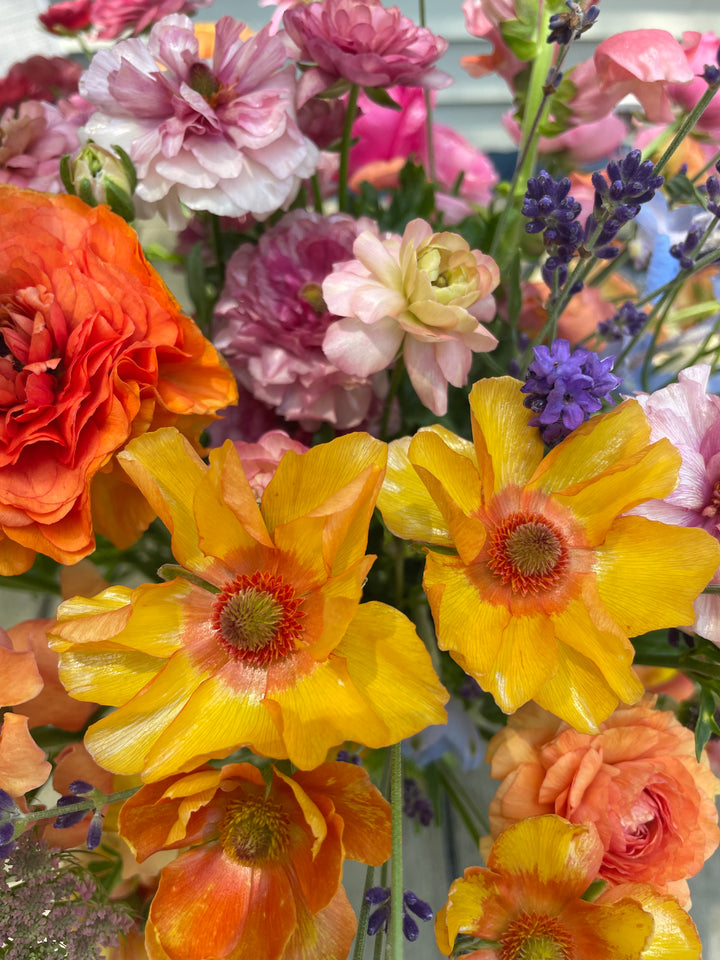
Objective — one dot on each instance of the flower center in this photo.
(535, 937)
(257, 617)
(528, 553)
(311, 293)
(203, 81)
(255, 831)
(713, 507)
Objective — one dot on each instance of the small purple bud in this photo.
(7, 832)
(378, 920)
(94, 834)
(411, 931)
(418, 906)
(377, 895)
(8, 804)
(78, 787)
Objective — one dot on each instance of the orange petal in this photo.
(23, 765)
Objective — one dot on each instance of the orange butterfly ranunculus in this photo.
(93, 351)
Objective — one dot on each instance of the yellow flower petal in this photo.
(577, 692)
(526, 658)
(508, 450)
(674, 934)
(649, 573)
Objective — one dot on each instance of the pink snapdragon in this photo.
(362, 42)
(483, 19)
(32, 142)
(700, 49)
(217, 135)
(271, 320)
(690, 418)
(643, 63)
(425, 293)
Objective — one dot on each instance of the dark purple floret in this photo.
(415, 804)
(712, 185)
(346, 757)
(94, 834)
(711, 74)
(79, 787)
(64, 820)
(619, 194)
(628, 321)
(553, 213)
(379, 919)
(684, 251)
(569, 25)
(418, 906)
(565, 387)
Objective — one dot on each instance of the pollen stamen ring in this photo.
(528, 553)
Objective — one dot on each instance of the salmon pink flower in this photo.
(269, 858)
(94, 351)
(549, 579)
(261, 640)
(528, 902)
(423, 292)
(219, 135)
(637, 780)
(32, 141)
(364, 43)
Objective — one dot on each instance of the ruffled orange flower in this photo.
(94, 351)
(261, 641)
(637, 780)
(263, 875)
(548, 579)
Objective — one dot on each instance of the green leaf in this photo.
(706, 723)
(197, 284)
(465, 945)
(516, 36)
(381, 97)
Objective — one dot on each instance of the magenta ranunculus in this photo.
(364, 43)
(32, 144)
(217, 135)
(271, 320)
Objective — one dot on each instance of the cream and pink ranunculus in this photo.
(425, 294)
(636, 780)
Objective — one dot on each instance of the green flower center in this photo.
(254, 831)
(258, 618)
(203, 81)
(528, 553)
(311, 293)
(535, 937)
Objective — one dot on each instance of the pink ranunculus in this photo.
(390, 136)
(39, 78)
(217, 135)
(362, 42)
(32, 144)
(110, 18)
(260, 460)
(700, 49)
(424, 292)
(271, 319)
(68, 16)
(642, 63)
(690, 418)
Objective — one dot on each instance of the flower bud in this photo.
(98, 176)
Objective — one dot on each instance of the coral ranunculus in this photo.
(94, 351)
(637, 781)
(261, 641)
(549, 580)
(263, 876)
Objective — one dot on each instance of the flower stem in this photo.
(428, 111)
(363, 918)
(395, 380)
(396, 883)
(686, 126)
(89, 804)
(350, 112)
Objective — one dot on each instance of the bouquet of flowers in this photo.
(424, 470)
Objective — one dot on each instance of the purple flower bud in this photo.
(94, 834)
(411, 931)
(418, 906)
(377, 895)
(78, 787)
(378, 920)
(64, 820)
(7, 832)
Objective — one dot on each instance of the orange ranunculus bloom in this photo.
(94, 351)
(547, 579)
(262, 877)
(637, 780)
(261, 640)
(527, 903)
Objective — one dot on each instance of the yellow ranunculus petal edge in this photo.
(233, 489)
(674, 936)
(111, 677)
(407, 508)
(649, 573)
(600, 444)
(508, 450)
(650, 473)
(577, 693)
(336, 603)
(454, 484)
(315, 481)
(527, 656)
(94, 618)
(465, 910)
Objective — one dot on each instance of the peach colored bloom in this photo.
(637, 780)
(22, 763)
(95, 351)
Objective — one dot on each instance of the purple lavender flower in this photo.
(380, 918)
(64, 820)
(627, 321)
(629, 184)
(346, 757)
(553, 213)
(567, 26)
(416, 805)
(565, 387)
(712, 185)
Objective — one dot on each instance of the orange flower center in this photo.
(713, 507)
(257, 617)
(255, 830)
(535, 937)
(528, 553)
(203, 81)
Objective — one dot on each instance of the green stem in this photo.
(474, 821)
(396, 882)
(350, 112)
(395, 381)
(686, 126)
(429, 136)
(216, 239)
(90, 804)
(363, 918)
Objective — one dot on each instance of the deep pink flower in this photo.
(32, 143)
(271, 320)
(483, 19)
(392, 136)
(424, 293)
(217, 135)
(639, 62)
(364, 43)
(39, 78)
(700, 49)
(690, 418)
(112, 17)
(68, 16)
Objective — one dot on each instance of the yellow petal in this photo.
(674, 934)
(465, 910)
(508, 450)
(233, 489)
(526, 658)
(649, 573)
(577, 692)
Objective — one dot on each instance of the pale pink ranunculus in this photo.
(425, 293)
(636, 780)
(700, 49)
(271, 319)
(690, 418)
(260, 460)
(642, 63)
(388, 136)
(219, 135)
(362, 42)
(32, 143)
